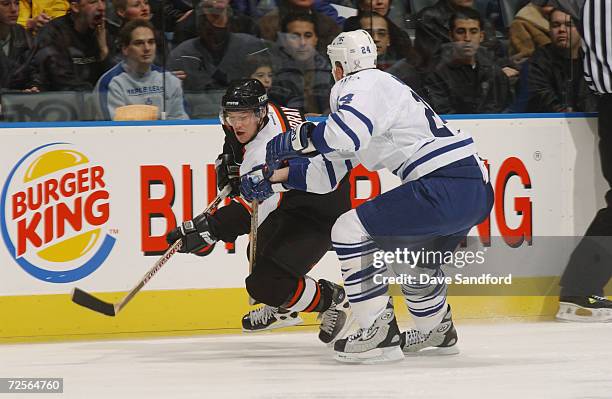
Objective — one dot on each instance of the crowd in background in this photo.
(461, 56)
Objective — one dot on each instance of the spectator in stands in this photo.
(392, 44)
(270, 24)
(394, 15)
(380, 7)
(71, 52)
(299, 38)
(219, 14)
(34, 14)
(529, 30)
(130, 10)
(432, 26)
(137, 80)
(214, 58)
(411, 71)
(470, 82)
(491, 11)
(262, 70)
(168, 13)
(14, 47)
(179, 8)
(432, 32)
(163, 14)
(555, 71)
(258, 8)
(280, 76)
(400, 58)
(253, 8)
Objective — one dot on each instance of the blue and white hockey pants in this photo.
(433, 213)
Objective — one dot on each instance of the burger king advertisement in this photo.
(89, 205)
(58, 207)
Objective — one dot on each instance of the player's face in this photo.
(136, 9)
(302, 40)
(379, 6)
(9, 12)
(562, 32)
(378, 29)
(467, 36)
(264, 75)
(141, 51)
(244, 123)
(89, 12)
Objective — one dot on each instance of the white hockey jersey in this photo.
(384, 124)
(315, 175)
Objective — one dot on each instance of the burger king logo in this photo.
(54, 208)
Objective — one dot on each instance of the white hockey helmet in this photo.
(354, 50)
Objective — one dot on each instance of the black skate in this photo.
(337, 319)
(442, 340)
(377, 344)
(269, 318)
(591, 308)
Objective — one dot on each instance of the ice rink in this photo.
(522, 360)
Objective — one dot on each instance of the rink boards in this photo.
(87, 205)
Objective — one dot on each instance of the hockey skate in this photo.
(377, 344)
(337, 319)
(591, 308)
(269, 318)
(442, 340)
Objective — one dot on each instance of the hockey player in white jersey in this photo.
(294, 228)
(378, 121)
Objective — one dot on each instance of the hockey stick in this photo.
(253, 241)
(89, 301)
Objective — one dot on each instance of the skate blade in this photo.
(435, 351)
(290, 322)
(374, 356)
(569, 312)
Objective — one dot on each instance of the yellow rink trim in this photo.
(40, 318)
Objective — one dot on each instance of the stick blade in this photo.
(89, 301)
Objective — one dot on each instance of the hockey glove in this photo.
(256, 185)
(291, 144)
(228, 172)
(195, 234)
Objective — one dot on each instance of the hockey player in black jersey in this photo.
(294, 222)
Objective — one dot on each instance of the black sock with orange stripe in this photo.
(327, 294)
(310, 296)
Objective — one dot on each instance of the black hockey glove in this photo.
(228, 172)
(195, 234)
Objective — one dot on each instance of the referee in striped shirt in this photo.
(590, 266)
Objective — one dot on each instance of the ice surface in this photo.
(522, 360)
